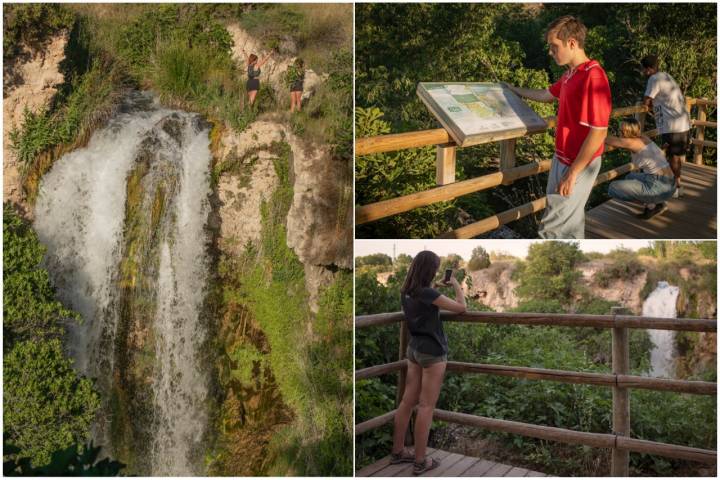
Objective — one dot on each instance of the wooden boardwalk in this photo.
(692, 216)
(451, 465)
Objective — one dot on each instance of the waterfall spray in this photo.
(123, 220)
(661, 303)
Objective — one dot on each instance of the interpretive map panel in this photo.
(476, 113)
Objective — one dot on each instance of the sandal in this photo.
(404, 456)
(420, 468)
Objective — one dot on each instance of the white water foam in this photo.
(80, 218)
(662, 303)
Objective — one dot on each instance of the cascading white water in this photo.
(662, 303)
(81, 218)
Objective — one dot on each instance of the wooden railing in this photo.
(619, 380)
(509, 171)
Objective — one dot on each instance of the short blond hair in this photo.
(630, 128)
(567, 27)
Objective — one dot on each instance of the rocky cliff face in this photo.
(30, 82)
(494, 286)
(319, 223)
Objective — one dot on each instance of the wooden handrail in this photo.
(449, 189)
(563, 376)
(423, 138)
(554, 320)
(490, 223)
(620, 381)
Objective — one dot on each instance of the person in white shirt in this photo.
(667, 101)
(654, 183)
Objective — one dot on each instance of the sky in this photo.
(464, 248)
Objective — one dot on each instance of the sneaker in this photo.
(678, 192)
(425, 465)
(651, 212)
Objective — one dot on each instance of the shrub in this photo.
(32, 24)
(47, 406)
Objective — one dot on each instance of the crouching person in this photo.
(654, 183)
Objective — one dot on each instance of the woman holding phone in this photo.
(427, 356)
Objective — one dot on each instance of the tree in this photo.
(30, 310)
(549, 272)
(479, 259)
(47, 405)
(70, 462)
(375, 259)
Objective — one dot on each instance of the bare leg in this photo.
(413, 383)
(298, 100)
(676, 162)
(251, 96)
(432, 379)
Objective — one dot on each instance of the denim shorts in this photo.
(424, 359)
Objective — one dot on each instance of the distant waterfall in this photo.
(124, 223)
(662, 303)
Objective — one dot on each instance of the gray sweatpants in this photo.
(565, 216)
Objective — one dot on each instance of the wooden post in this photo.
(445, 165)
(621, 397)
(700, 133)
(507, 156)
(640, 117)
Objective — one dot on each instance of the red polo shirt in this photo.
(585, 102)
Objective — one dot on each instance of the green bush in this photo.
(30, 308)
(625, 266)
(32, 24)
(47, 406)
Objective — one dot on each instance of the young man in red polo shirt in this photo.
(584, 109)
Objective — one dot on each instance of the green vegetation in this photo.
(312, 370)
(399, 45)
(64, 463)
(31, 24)
(479, 259)
(47, 405)
(549, 282)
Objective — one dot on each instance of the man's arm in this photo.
(648, 102)
(595, 138)
(539, 95)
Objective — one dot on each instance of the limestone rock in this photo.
(30, 81)
(494, 286)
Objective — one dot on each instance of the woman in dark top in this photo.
(296, 77)
(427, 356)
(253, 70)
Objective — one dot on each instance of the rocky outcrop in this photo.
(277, 64)
(625, 292)
(319, 223)
(494, 286)
(30, 81)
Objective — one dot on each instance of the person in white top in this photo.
(654, 183)
(667, 101)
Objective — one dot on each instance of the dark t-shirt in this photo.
(423, 321)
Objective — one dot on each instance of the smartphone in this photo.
(448, 274)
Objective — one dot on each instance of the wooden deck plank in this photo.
(517, 472)
(460, 467)
(499, 470)
(479, 469)
(691, 216)
(444, 466)
(451, 465)
(535, 474)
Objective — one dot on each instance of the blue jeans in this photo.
(643, 188)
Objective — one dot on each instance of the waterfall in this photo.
(662, 303)
(123, 220)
